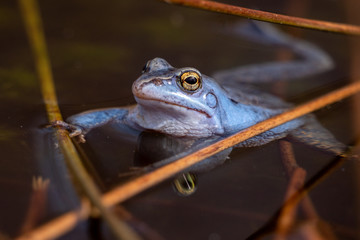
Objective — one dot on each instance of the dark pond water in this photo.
(97, 50)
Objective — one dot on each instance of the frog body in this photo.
(183, 102)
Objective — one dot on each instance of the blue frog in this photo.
(183, 102)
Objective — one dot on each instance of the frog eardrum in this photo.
(190, 80)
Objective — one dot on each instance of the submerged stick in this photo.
(287, 214)
(268, 16)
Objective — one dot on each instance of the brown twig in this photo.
(290, 164)
(34, 29)
(288, 211)
(296, 176)
(60, 225)
(287, 216)
(292, 202)
(269, 17)
(130, 189)
(288, 157)
(309, 231)
(37, 204)
(144, 182)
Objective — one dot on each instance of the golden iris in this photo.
(186, 184)
(190, 80)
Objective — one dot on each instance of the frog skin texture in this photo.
(183, 102)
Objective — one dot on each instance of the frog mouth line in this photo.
(174, 104)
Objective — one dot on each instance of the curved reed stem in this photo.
(269, 17)
(36, 37)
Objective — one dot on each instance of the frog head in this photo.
(177, 101)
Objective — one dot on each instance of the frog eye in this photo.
(190, 80)
(186, 184)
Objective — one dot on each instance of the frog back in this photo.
(249, 95)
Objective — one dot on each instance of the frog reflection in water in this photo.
(183, 102)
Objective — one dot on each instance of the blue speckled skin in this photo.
(164, 106)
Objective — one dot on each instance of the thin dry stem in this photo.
(269, 17)
(130, 189)
(309, 231)
(37, 204)
(288, 157)
(288, 211)
(287, 215)
(290, 164)
(60, 225)
(36, 37)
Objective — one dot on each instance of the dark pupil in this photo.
(185, 184)
(191, 80)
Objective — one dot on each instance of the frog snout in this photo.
(139, 87)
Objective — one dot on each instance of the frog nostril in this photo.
(157, 82)
(136, 88)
